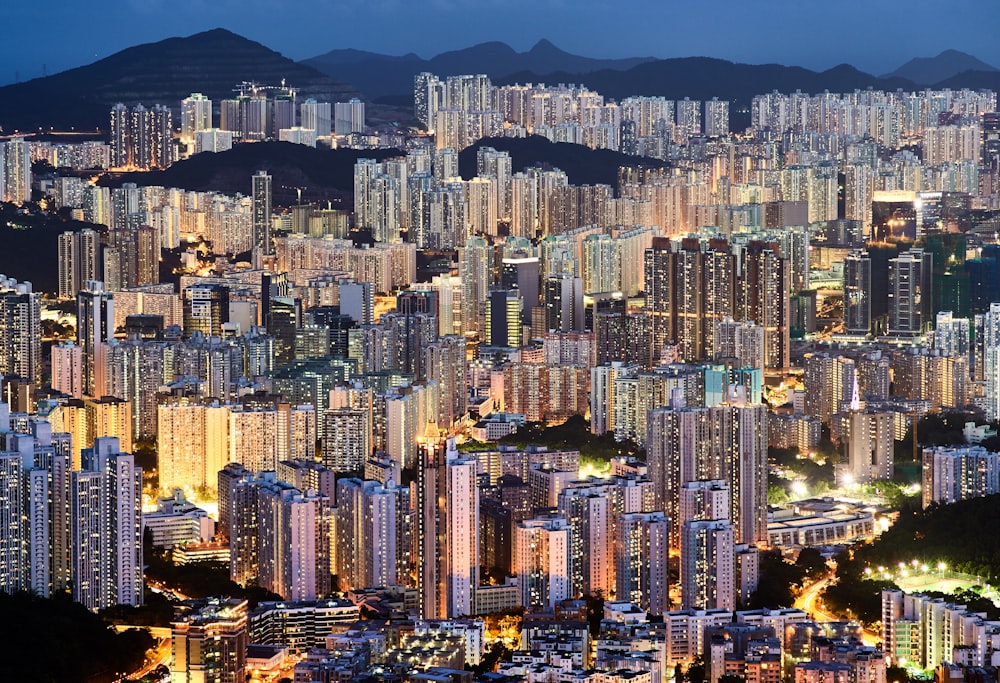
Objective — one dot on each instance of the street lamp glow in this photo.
(799, 488)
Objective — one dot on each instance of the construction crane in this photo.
(255, 89)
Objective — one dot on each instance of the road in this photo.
(811, 602)
(160, 657)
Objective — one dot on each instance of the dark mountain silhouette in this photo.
(583, 166)
(212, 62)
(932, 70)
(976, 80)
(324, 175)
(704, 77)
(379, 75)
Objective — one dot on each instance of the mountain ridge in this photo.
(380, 75)
(940, 68)
(164, 72)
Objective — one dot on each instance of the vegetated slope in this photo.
(323, 175)
(583, 166)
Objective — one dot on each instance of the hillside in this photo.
(30, 245)
(212, 62)
(324, 175)
(932, 70)
(379, 75)
(583, 166)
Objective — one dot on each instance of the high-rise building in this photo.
(67, 369)
(210, 644)
(910, 298)
(95, 325)
(542, 562)
(315, 116)
(206, 309)
(108, 416)
(716, 118)
(192, 445)
(475, 267)
(106, 514)
(726, 442)
(857, 292)
(79, 261)
(954, 474)
(261, 209)
(346, 439)
(502, 323)
(25, 552)
(20, 330)
(15, 170)
(762, 295)
(279, 537)
(689, 285)
(447, 530)
(349, 117)
(367, 541)
(715, 571)
(196, 116)
(707, 565)
(641, 556)
(444, 361)
(141, 138)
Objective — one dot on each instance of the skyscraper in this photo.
(15, 170)
(106, 514)
(542, 562)
(79, 261)
(857, 292)
(641, 556)
(315, 116)
(762, 295)
(349, 117)
(261, 197)
(366, 534)
(910, 292)
(95, 325)
(726, 442)
(196, 116)
(447, 530)
(20, 330)
(503, 318)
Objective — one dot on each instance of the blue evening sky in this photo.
(874, 35)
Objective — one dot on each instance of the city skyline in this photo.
(733, 31)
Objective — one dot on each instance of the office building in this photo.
(261, 216)
(206, 309)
